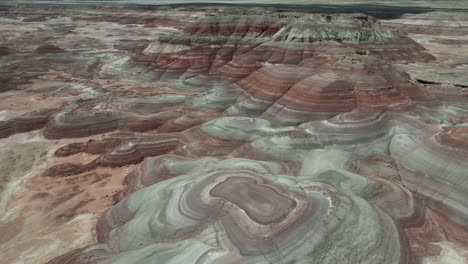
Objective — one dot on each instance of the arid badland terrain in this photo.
(233, 134)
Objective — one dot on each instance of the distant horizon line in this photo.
(376, 9)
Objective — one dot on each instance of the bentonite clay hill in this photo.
(213, 135)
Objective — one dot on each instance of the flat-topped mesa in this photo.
(208, 43)
(294, 27)
(261, 203)
(236, 26)
(341, 28)
(216, 41)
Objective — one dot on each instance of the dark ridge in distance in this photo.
(377, 11)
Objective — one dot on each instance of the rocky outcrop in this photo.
(27, 122)
(48, 48)
(433, 74)
(6, 51)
